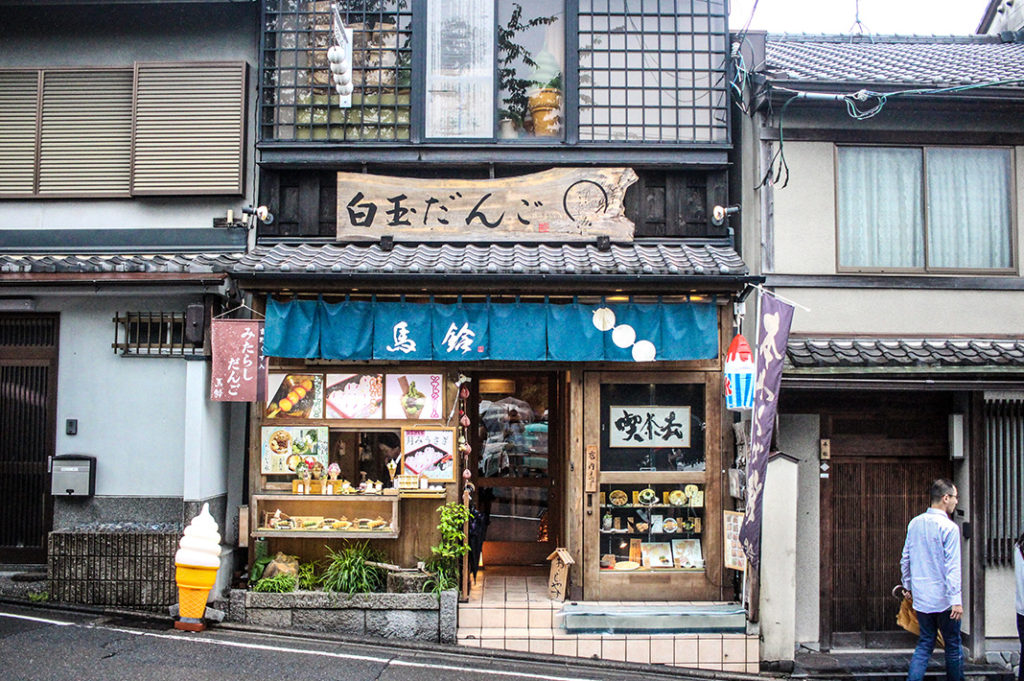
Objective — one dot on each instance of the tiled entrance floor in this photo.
(509, 609)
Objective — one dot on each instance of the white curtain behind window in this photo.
(880, 208)
(969, 208)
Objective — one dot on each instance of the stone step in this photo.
(706, 618)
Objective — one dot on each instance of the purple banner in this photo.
(775, 321)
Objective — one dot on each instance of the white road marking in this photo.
(346, 656)
(36, 619)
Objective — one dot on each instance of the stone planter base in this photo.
(415, 616)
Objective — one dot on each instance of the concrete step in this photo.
(666, 619)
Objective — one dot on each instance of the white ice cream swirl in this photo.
(201, 544)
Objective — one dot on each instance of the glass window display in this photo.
(651, 527)
(649, 427)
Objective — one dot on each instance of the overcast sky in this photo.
(904, 17)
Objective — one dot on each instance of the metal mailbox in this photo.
(74, 475)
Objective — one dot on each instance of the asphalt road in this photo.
(52, 645)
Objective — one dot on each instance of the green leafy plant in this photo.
(258, 567)
(308, 578)
(38, 596)
(278, 584)
(444, 564)
(349, 571)
(512, 85)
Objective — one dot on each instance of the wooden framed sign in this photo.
(561, 204)
(429, 451)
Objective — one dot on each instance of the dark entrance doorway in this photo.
(516, 464)
(28, 399)
(885, 452)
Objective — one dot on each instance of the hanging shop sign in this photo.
(774, 321)
(649, 426)
(559, 205)
(739, 375)
(574, 332)
(238, 366)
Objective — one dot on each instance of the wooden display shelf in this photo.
(638, 533)
(350, 506)
(651, 506)
(328, 534)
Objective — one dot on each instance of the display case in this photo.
(651, 527)
(360, 516)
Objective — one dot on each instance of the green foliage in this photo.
(38, 596)
(308, 578)
(278, 584)
(347, 570)
(515, 99)
(258, 567)
(444, 565)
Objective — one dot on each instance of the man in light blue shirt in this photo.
(931, 573)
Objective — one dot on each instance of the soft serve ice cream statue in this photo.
(197, 562)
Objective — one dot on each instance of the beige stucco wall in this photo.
(941, 313)
(805, 212)
(1000, 616)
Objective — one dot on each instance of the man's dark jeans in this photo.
(1020, 635)
(930, 623)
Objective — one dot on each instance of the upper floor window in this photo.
(484, 70)
(147, 129)
(925, 209)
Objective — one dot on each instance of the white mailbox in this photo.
(74, 475)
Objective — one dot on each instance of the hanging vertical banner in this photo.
(774, 322)
(237, 371)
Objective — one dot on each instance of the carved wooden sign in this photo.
(554, 205)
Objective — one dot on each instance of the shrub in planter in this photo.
(280, 583)
(444, 564)
(349, 571)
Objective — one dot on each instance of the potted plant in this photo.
(515, 100)
(444, 564)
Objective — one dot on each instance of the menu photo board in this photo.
(430, 452)
(354, 396)
(414, 396)
(284, 447)
(735, 559)
(296, 396)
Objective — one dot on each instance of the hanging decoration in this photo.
(739, 375)
(462, 429)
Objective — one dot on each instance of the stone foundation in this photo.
(130, 570)
(416, 616)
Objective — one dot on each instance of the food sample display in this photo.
(666, 519)
(354, 515)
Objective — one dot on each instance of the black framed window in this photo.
(526, 71)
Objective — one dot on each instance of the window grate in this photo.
(652, 71)
(153, 334)
(297, 95)
(1004, 501)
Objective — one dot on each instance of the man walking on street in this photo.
(931, 573)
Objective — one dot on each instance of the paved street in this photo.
(54, 645)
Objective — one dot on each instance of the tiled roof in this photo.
(872, 353)
(192, 263)
(634, 260)
(911, 60)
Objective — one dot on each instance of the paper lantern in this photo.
(644, 351)
(739, 375)
(604, 319)
(624, 335)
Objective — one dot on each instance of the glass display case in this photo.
(342, 516)
(651, 527)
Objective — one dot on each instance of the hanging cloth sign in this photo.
(774, 322)
(238, 368)
(488, 331)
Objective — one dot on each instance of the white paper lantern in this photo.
(604, 319)
(644, 351)
(623, 335)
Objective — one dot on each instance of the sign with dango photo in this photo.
(297, 396)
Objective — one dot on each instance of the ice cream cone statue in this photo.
(197, 561)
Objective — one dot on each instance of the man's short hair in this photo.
(941, 488)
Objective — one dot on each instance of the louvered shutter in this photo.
(85, 145)
(18, 102)
(189, 129)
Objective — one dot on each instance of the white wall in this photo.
(130, 410)
(798, 436)
(1000, 614)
